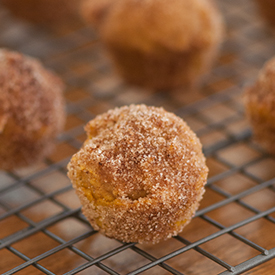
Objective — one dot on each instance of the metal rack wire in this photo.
(42, 230)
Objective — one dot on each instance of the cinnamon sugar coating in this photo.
(161, 44)
(260, 106)
(46, 12)
(140, 174)
(266, 8)
(31, 110)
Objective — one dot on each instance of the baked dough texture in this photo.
(31, 110)
(260, 106)
(140, 174)
(159, 44)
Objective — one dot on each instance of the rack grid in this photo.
(42, 229)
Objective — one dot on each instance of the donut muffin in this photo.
(267, 8)
(260, 106)
(31, 110)
(160, 44)
(140, 174)
(53, 13)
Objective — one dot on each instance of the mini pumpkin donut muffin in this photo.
(140, 174)
(260, 106)
(31, 110)
(52, 13)
(267, 8)
(161, 44)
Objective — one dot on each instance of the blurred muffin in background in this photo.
(53, 13)
(32, 110)
(267, 9)
(159, 44)
(260, 106)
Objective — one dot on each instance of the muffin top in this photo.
(150, 24)
(142, 152)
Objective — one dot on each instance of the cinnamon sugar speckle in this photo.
(150, 178)
(31, 110)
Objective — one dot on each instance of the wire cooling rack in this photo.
(42, 229)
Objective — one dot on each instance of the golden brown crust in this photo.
(46, 12)
(162, 44)
(267, 8)
(31, 110)
(140, 174)
(260, 106)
